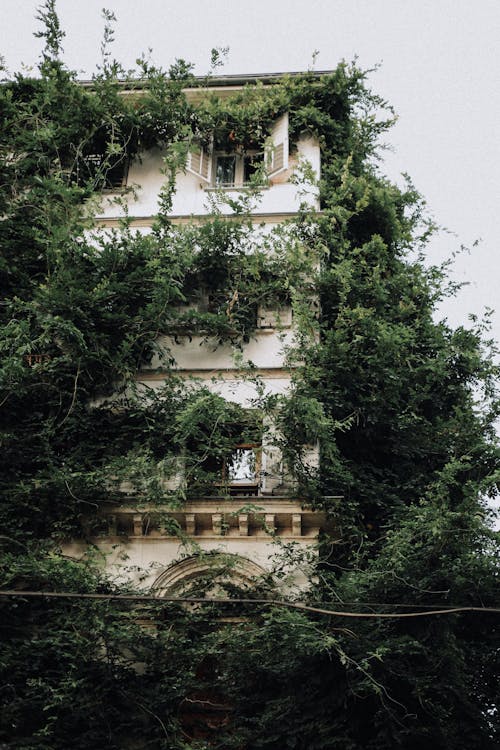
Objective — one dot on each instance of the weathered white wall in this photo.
(222, 367)
(266, 348)
(193, 196)
(248, 527)
(236, 387)
(142, 561)
(143, 556)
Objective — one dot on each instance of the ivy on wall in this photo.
(403, 408)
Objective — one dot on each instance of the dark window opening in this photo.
(225, 171)
(252, 165)
(105, 173)
(236, 170)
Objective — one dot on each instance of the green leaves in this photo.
(402, 408)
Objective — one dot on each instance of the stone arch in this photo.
(218, 568)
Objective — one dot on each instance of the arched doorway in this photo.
(205, 711)
(215, 573)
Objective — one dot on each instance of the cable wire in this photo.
(264, 602)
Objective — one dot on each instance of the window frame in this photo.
(241, 159)
(237, 487)
(201, 160)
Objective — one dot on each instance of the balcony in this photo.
(213, 518)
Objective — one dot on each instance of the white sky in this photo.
(439, 69)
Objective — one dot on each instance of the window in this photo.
(251, 165)
(236, 170)
(225, 170)
(241, 471)
(238, 473)
(106, 173)
(116, 175)
(243, 464)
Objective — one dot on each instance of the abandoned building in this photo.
(254, 508)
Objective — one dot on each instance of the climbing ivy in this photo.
(402, 406)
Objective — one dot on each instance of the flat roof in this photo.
(236, 79)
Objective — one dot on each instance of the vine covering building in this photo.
(249, 188)
(203, 281)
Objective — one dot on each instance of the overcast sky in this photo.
(439, 68)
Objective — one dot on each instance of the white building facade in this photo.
(254, 515)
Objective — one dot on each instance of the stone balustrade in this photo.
(213, 518)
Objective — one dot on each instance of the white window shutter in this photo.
(277, 147)
(199, 163)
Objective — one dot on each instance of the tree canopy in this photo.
(403, 406)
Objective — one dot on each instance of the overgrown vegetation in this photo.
(403, 406)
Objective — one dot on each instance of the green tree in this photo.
(404, 408)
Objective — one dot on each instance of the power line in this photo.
(264, 602)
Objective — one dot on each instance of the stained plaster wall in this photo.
(215, 365)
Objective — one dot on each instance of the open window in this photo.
(241, 470)
(199, 163)
(227, 460)
(238, 472)
(236, 167)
